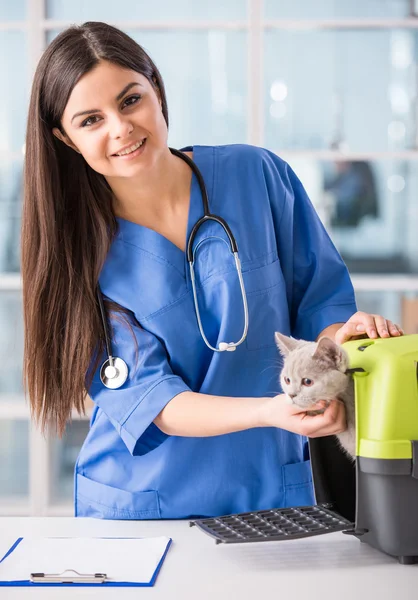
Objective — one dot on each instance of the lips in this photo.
(130, 149)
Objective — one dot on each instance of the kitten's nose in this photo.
(292, 396)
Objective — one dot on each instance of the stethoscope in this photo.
(114, 370)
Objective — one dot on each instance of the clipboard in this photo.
(128, 562)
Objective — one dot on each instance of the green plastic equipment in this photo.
(374, 498)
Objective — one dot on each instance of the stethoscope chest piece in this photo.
(113, 376)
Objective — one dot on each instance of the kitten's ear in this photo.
(285, 343)
(328, 351)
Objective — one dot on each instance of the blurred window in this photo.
(337, 9)
(143, 10)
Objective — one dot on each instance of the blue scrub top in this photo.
(296, 283)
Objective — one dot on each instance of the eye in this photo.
(307, 382)
(135, 99)
(127, 102)
(86, 123)
(286, 380)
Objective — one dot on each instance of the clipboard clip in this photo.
(63, 578)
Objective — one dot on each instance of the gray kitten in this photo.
(314, 371)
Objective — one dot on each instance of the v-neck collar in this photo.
(155, 243)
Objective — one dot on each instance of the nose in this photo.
(120, 127)
(292, 396)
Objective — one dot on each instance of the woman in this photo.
(192, 432)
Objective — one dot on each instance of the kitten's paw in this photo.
(313, 413)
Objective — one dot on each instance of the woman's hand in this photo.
(292, 418)
(362, 325)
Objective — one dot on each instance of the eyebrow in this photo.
(118, 97)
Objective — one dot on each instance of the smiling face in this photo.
(114, 119)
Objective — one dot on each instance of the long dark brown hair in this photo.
(67, 227)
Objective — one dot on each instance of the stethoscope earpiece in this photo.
(228, 347)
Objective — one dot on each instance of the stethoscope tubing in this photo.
(114, 371)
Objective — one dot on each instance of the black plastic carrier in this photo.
(375, 500)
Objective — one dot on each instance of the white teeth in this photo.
(131, 149)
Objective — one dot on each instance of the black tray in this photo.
(273, 525)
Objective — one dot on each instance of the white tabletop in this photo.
(331, 566)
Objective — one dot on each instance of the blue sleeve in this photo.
(151, 384)
(318, 285)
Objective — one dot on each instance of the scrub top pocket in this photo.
(94, 499)
(297, 484)
(267, 305)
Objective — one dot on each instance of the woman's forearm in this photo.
(191, 414)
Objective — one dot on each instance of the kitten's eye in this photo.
(307, 382)
(286, 380)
